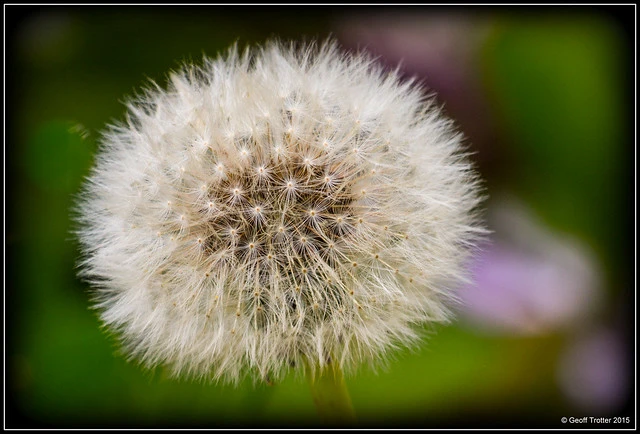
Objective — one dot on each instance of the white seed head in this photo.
(327, 217)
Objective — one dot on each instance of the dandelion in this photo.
(285, 207)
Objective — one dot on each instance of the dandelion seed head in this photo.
(332, 210)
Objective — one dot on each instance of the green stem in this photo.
(331, 397)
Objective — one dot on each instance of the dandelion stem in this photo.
(331, 397)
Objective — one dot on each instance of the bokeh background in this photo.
(545, 97)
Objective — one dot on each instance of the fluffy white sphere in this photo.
(282, 207)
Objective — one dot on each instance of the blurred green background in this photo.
(546, 99)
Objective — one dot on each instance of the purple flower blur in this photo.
(593, 373)
(529, 280)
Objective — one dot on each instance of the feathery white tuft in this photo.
(279, 207)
